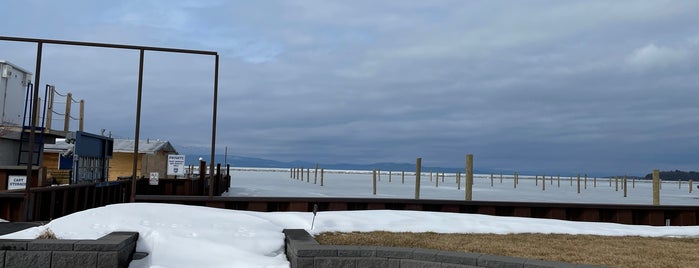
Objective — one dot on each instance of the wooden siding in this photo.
(121, 165)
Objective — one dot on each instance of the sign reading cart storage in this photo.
(175, 164)
(15, 182)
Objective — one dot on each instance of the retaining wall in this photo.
(304, 252)
(113, 250)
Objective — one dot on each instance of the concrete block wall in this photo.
(304, 252)
(113, 250)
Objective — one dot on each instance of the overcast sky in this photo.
(605, 87)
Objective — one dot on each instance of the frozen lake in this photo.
(337, 183)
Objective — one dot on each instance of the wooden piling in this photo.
(418, 169)
(322, 174)
(595, 182)
(436, 182)
(458, 180)
(690, 186)
(402, 177)
(442, 176)
(514, 180)
(315, 175)
(491, 179)
(469, 177)
(536, 178)
(374, 181)
(308, 175)
(390, 174)
(625, 191)
(543, 183)
(559, 181)
(578, 182)
(500, 177)
(616, 183)
(585, 181)
(656, 187)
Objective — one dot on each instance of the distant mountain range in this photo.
(240, 161)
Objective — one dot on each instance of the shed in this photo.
(152, 157)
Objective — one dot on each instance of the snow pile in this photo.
(187, 236)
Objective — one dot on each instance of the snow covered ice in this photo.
(188, 236)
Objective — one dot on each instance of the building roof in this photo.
(144, 146)
(15, 66)
(147, 146)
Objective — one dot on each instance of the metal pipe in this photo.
(138, 127)
(32, 129)
(106, 45)
(213, 130)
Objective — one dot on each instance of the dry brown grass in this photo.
(47, 234)
(618, 251)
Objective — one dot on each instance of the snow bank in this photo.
(188, 236)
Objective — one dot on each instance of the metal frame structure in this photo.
(142, 49)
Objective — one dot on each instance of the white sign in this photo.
(175, 164)
(154, 178)
(15, 182)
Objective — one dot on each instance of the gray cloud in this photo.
(575, 86)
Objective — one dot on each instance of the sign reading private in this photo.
(175, 165)
(15, 182)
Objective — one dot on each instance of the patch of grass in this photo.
(47, 234)
(612, 251)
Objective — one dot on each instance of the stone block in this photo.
(73, 259)
(108, 260)
(393, 263)
(335, 262)
(304, 262)
(394, 252)
(451, 265)
(421, 254)
(462, 258)
(299, 236)
(369, 262)
(13, 244)
(126, 253)
(493, 261)
(115, 241)
(356, 251)
(51, 245)
(99, 245)
(22, 259)
(316, 251)
(409, 263)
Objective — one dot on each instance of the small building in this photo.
(79, 158)
(16, 145)
(152, 157)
